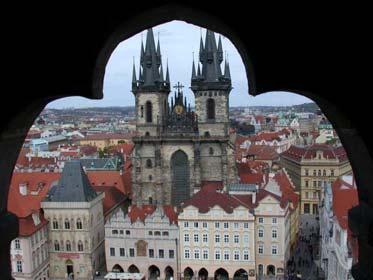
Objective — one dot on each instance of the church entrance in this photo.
(180, 177)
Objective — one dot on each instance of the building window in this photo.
(217, 238)
(306, 208)
(55, 224)
(196, 238)
(306, 182)
(114, 231)
(319, 173)
(205, 238)
(186, 224)
(246, 239)
(260, 249)
(186, 253)
(205, 254)
(274, 220)
(19, 266)
(150, 232)
(196, 254)
(314, 184)
(260, 220)
(121, 252)
(274, 233)
(236, 238)
(128, 232)
(226, 225)
(186, 237)
(149, 163)
(112, 252)
(149, 112)
(68, 245)
(274, 249)
(260, 233)
(217, 254)
(204, 225)
(245, 225)
(79, 224)
(314, 172)
(17, 244)
(246, 255)
(226, 255)
(324, 173)
(161, 253)
(151, 253)
(165, 233)
(142, 111)
(306, 172)
(211, 151)
(226, 238)
(217, 225)
(80, 246)
(196, 224)
(236, 255)
(157, 233)
(171, 254)
(210, 109)
(132, 252)
(332, 172)
(56, 245)
(67, 224)
(121, 231)
(235, 225)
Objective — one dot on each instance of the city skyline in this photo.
(179, 44)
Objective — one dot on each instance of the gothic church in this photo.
(177, 149)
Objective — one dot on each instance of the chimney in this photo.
(23, 188)
(253, 198)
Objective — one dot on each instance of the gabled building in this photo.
(144, 240)
(75, 214)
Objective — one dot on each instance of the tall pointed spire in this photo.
(193, 71)
(151, 76)
(210, 75)
(167, 75)
(227, 72)
(134, 80)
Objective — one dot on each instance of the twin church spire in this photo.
(151, 77)
(208, 73)
(210, 58)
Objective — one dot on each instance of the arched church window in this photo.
(210, 109)
(149, 163)
(79, 224)
(149, 112)
(211, 151)
(80, 246)
(67, 224)
(68, 245)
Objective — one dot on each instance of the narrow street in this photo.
(306, 254)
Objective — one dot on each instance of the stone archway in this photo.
(221, 274)
(133, 269)
(188, 273)
(271, 270)
(240, 274)
(169, 273)
(69, 269)
(203, 274)
(153, 272)
(117, 268)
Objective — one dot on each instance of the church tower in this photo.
(151, 89)
(211, 88)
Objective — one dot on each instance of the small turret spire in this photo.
(134, 80)
(167, 75)
(193, 70)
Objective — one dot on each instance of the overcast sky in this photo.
(178, 41)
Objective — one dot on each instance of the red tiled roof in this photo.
(110, 179)
(113, 197)
(308, 152)
(107, 136)
(27, 226)
(209, 197)
(23, 206)
(345, 197)
(140, 213)
(88, 150)
(124, 148)
(263, 152)
(287, 188)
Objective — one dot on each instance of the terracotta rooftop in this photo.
(141, 212)
(309, 152)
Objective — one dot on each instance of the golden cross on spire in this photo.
(179, 86)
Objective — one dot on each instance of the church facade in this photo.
(177, 149)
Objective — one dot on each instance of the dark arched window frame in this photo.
(149, 163)
(149, 112)
(210, 108)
